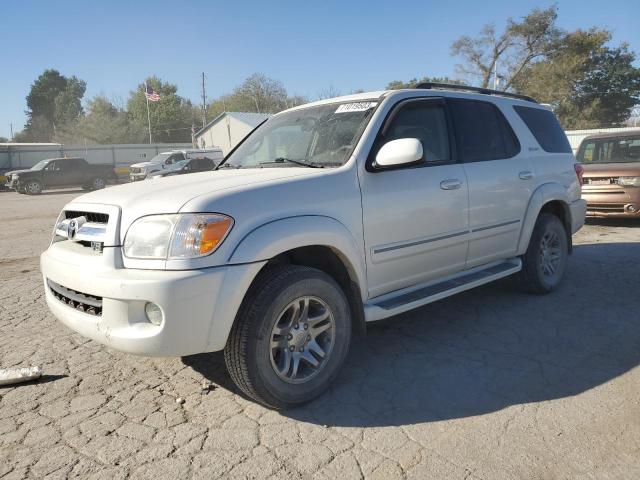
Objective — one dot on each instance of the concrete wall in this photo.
(17, 156)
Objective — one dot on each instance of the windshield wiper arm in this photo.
(290, 160)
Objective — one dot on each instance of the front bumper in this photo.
(135, 177)
(198, 306)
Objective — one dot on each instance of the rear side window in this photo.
(482, 132)
(545, 127)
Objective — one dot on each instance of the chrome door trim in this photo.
(489, 227)
(418, 242)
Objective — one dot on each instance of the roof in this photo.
(34, 144)
(620, 133)
(250, 118)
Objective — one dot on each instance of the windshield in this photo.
(160, 158)
(321, 136)
(610, 150)
(40, 165)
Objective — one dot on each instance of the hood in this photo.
(6, 174)
(169, 194)
(631, 169)
(145, 164)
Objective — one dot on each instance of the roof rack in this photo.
(484, 91)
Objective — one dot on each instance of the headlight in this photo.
(629, 181)
(185, 235)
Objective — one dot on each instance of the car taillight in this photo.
(579, 171)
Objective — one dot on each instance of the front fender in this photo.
(542, 195)
(279, 236)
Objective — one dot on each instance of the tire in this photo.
(33, 187)
(259, 353)
(545, 260)
(98, 183)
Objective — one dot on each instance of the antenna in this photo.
(204, 102)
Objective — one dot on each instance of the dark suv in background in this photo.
(611, 175)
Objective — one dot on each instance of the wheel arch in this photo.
(548, 198)
(315, 241)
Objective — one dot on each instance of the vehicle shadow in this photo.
(485, 349)
(613, 222)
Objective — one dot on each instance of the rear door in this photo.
(76, 172)
(415, 218)
(500, 176)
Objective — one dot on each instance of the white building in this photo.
(227, 130)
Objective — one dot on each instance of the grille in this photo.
(90, 216)
(606, 207)
(83, 302)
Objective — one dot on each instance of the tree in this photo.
(4, 140)
(587, 83)
(399, 84)
(171, 116)
(103, 124)
(53, 101)
(518, 46)
(258, 93)
(329, 92)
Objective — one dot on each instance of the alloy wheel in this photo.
(550, 254)
(302, 339)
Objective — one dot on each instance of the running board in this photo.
(398, 302)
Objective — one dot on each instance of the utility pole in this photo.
(495, 75)
(11, 128)
(204, 103)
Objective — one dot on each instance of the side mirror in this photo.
(400, 152)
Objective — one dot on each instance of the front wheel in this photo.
(544, 262)
(33, 187)
(290, 338)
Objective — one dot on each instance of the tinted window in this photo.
(545, 127)
(426, 121)
(482, 132)
(610, 150)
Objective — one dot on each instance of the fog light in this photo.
(631, 208)
(154, 314)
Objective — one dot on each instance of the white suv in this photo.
(328, 216)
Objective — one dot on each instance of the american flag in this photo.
(151, 94)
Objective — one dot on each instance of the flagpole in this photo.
(148, 114)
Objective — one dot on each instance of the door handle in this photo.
(450, 184)
(525, 175)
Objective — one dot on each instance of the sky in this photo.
(309, 46)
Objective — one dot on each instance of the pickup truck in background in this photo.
(60, 173)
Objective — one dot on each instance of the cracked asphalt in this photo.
(490, 384)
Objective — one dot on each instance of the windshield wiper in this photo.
(290, 160)
(227, 165)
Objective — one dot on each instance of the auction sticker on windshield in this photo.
(355, 107)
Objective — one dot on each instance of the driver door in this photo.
(415, 218)
(54, 174)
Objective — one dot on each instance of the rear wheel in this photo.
(33, 187)
(544, 263)
(290, 337)
(98, 183)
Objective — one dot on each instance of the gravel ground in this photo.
(490, 384)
